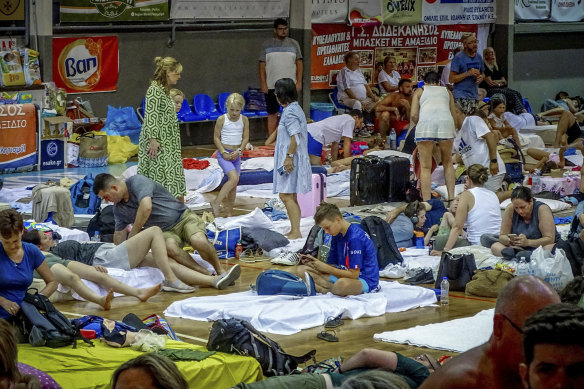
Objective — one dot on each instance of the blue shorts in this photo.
(228, 166)
(365, 289)
(314, 147)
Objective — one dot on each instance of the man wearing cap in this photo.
(466, 73)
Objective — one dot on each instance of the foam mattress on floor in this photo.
(92, 367)
(262, 176)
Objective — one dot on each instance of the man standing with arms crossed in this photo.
(280, 57)
(466, 73)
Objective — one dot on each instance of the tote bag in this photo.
(458, 268)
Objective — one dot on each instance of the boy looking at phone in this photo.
(351, 267)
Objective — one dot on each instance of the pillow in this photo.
(266, 163)
(441, 190)
(555, 205)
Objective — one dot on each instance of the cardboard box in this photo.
(57, 127)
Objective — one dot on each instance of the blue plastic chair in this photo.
(204, 106)
(527, 106)
(186, 114)
(223, 109)
(340, 108)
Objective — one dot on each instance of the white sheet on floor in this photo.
(288, 315)
(457, 335)
(265, 163)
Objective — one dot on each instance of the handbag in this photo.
(458, 268)
(487, 283)
(158, 325)
(92, 150)
(224, 240)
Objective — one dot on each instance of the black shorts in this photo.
(574, 132)
(272, 105)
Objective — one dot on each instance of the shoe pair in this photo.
(420, 276)
(287, 258)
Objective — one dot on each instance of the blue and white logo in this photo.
(52, 149)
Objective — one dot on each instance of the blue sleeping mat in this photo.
(261, 176)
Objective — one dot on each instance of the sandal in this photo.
(328, 336)
(429, 361)
(334, 322)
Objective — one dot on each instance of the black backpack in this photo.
(382, 236)
(103, 223)
(235, 336)
(43, 325)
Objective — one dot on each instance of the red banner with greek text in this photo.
(86, 64)
(417, 49)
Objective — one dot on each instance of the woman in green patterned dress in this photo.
(159, 154)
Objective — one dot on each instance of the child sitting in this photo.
(230, 136)
(177, 97)
(499, 124)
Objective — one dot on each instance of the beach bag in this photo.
(382, 236)
(235, 336)
(92, 150)
(487, 283)
(458, 268)
(83, 200)
(278, 282)
(224, 241)
(43, 325)
(554, 268)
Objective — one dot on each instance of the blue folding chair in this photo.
(204, 106)
(340, 108)
(186, 114)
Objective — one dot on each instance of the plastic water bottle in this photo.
(444, 288)
(96, 237)
(522, 268)
(392, 139)
(532, 266)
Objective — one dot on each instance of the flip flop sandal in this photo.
(430, 360)
(328, 336)
(334, 322)
(248, 256)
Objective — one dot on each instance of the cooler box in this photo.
(319, 111)
(309, 201)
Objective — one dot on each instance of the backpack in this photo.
(237, 336)
(83, 199)
(382, 236)
(311, 246)
(102, 223)
(43, 325)
(273, 281)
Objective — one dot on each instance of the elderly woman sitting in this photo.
(526, 225)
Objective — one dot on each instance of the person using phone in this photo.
(351, 267)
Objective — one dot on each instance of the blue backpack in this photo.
(274, 282)
(83, 199)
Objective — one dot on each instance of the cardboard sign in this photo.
(18, 136)
(86, 64)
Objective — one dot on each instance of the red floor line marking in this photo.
(472, 298)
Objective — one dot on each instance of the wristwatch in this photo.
(291, 155)
(494, 160)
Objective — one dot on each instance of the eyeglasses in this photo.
(515, 326)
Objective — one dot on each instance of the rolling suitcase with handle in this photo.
(369, 183)
(309, 201)
(398, 176)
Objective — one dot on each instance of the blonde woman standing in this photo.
(230, 136)
(159, 154)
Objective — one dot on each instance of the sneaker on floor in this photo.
(287, 258)
(227, 278)
(177, 286)
(420, 276)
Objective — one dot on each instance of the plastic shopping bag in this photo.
(554, 268)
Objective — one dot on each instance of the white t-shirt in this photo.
(332, 129)
(393, 79)
(471, 146)
(351, 79)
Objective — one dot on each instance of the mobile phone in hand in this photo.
(512, 236)
(281, 170)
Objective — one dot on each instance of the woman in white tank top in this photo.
(230, 136)
(479, 209)
(432, 112)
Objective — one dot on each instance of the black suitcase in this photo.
(369, 182)
(398, 176)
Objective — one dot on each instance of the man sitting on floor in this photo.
(495, 363)
(351, 267)
(331, 131)
(144, 203)
(554, 348)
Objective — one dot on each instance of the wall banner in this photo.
(532, 9)
(113, 10)
(86, 64)
(327, 11)
(417, 49)
(18, 137)
(240, 9)
(567, 10)
(402, 12)
(459, 11)
(364, 13)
